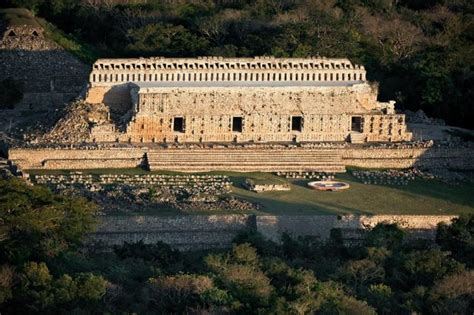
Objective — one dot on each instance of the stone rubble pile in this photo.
(391, 177)
(135, 192)
(401, 145)
(74, 126)
(307, 175)
(265, 187)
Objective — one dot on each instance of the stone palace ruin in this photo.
(259, 114)
(261, 99)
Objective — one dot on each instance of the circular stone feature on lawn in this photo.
(328, 185)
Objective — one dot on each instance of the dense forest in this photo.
(44, 269)
(421, 51)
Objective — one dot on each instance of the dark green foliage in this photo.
(37, 224)
(165, 40)
(42, 270)
(385, 235)
(458, 238)
(160, 254)
(426, 43)
(36, 227)
(40, 291)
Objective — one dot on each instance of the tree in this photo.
(166, 40)
(389, 236)
(39, 291)
(458, 238)
(454, 294)
(37, 224)
(239, 272)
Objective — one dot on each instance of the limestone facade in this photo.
(260, 99)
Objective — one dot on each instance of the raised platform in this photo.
(246, 160)
(255, 158)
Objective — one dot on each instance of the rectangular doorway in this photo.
(237, 124)
(356, 123)
(296, 123)
(178, 124)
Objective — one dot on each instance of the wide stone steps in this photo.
(356, 137)
(256, 168)
(264, 160)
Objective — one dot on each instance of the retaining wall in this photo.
(456, 158)
(218, 231)
(28, 158)
(183, 232)
(32, 158)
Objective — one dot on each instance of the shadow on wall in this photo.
(48, 78)
(117, 98)
(119, 101)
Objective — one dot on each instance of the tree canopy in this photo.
(43, 269)
(426, 43)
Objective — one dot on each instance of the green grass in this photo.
(419, 197)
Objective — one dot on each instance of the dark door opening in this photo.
(237, 124)
(178, 124)
(296, 123)
(356, 123)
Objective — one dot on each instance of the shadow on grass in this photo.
(419, 197)
(462, 194)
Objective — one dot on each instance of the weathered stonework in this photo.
(260, 99)
(255, 158)
(49, 76)
(202, 231)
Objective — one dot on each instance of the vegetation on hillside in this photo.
(20, 17)
(426, 43)
(43, 271)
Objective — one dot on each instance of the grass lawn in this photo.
(419, 197)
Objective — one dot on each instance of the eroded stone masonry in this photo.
(262, 99)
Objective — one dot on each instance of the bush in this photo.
(160, 254)
(458, 238)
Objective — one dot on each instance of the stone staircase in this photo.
(246, 160)
(357, 137)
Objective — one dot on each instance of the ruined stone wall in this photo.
(201, 231)
(76, 158)
(281, 100)
(266, 113)
(48, 75)
(184, 232)
(434, 157)
(320, 225)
